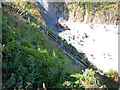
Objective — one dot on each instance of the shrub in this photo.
(88, 79)
(112, 74)
(28, 58)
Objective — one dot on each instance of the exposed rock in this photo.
(72, 12)
(80, 14)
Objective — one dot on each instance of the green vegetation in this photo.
(89, 79)
(103, 7)
(70, 9)
(112, 74)
(29, 56)
(32, 8)
(30, 59)
(92, 79)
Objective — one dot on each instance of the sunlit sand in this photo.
(101, 45)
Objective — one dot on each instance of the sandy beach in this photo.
(98, 41)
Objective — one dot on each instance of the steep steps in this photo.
(69, 49)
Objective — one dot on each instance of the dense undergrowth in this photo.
(29, 56)
(30, 59)
(91, 79)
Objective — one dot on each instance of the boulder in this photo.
(63, 26)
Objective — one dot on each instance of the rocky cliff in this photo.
(100, 14)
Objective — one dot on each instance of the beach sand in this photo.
(101, 45)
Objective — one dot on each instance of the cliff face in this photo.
(73, 12)
(105, 15)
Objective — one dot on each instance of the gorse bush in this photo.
(113, 75)
(89, 79)
(23, 65)
(29, 57)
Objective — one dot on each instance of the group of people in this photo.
(84, 36)
(76, 38)
(107, 55)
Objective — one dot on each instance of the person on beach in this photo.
(86, 36)
(81, 41)
(117, 21)
(81, 44)
(93, 39)
(91, 55)
(91, 26)
(74, 37)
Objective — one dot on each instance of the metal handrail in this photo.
(69, 49)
